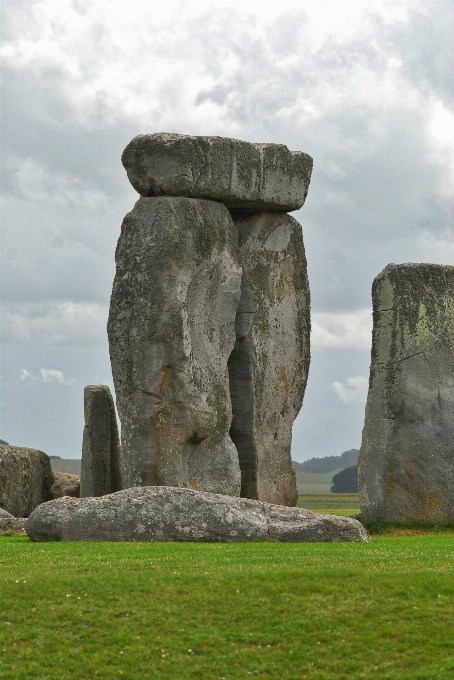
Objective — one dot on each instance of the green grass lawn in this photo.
(331, 504)
(315, 482)
(383, 609)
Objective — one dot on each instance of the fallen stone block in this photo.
(65, 484)
(240, 174)
(406, 461)
(26, 478)
(176, 514)
(13, 524)
(101, 451)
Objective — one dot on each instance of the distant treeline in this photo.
(329, 463)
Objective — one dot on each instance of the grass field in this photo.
(331, 504)
(383, 609)
(315, 482)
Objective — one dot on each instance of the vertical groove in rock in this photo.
(241, 367)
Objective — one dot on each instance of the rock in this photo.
(177, 514)
(65, 485)
(406, 461)
(171, 330)
(13, 525)
(100, 467)
(269, 365)
(25, 479)
(240, 174)
(5, 515)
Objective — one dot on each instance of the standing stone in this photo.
(406, 461)
(65, 484)
(269, 365)
(240, 174)
(100, 471)
(26, 479)
(171, 330)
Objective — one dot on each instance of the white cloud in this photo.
(65, 323)
(47, 376)
(352, 390)
(351, 330)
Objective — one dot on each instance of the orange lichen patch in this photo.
(287, 384)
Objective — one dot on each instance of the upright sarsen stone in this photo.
(171, 330)
(269, 365)
(406, 461)
(100, 468)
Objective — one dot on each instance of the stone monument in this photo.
(100, 468)
(210, 316)
(406, 461)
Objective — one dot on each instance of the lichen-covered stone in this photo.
(101, 451)
(406, 461)
(269, 365)
(171, 330)
(13, 524)
(26, 478)
(176, 514)
(240, 174)
(65, 484)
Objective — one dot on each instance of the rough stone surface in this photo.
(171, 330)
(240, 174)
(65, 485)
(176, 514)
(269, 365)
(406, 461)
(100, 467)
(25, 479)
(16, 524)
(5, 515)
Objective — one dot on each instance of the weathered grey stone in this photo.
(100, 468)
(25, 479)
(269, 365)
(406, 461)
(65, 485)
(5, 515)
(171, 330)
(240, 174)
(176, 514)
(13, 524)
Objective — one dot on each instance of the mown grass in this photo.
(330, 504)
(383, 609)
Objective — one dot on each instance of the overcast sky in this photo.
(366, 88)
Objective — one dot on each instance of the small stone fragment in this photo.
(65, 484)
(26, 478)
(177, 514)
(100, 469)
(240, 174)
(406, 461)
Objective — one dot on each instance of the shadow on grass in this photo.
(382, 528)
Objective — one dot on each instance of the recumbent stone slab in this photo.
(171, 330)
(100, 466)
(406, 461)
(26, 479)
(176, 514)
(240, 174)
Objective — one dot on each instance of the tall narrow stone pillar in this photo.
(406, 461)
(100, 470)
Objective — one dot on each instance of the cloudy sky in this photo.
(366, 88)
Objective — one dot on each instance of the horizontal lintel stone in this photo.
(237, 173)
